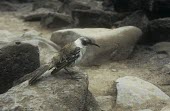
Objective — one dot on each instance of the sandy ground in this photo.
(143, 63)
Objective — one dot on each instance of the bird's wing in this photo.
(69, 53)
(37, 73)
(67, 56)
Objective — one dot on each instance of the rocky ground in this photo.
(147, 62)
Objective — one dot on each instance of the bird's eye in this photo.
(84, 42)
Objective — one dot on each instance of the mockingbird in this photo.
(71, 54)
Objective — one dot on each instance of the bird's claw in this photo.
(77, 78)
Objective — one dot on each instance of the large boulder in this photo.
(17, 59)
(158, 30)
(22, 55)
(56, 20)
(95, 18)
(57, 92)
(138, 19)
(47, 49)
(116, 44)
(133, 92)
(37, 14)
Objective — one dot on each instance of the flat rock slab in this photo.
(115, 44)
(52, 93)
(137, 93)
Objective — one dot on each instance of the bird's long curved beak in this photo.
(94, 44)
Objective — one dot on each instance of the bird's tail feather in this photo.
(37, 73)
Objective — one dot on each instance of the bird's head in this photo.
(84, 42)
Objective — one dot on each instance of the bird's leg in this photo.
(71, 73)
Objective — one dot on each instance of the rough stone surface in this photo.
(17, 59)
(115, 44)
(57, 92)
(56, 20)
(47, 49)
(167, 108)
(138, 19)
(36, 15)
(23, 56)
(106, 103)
(162, 47)
(158, 30)
(63, 6)
(145, 110)
(71, 5)
(95, 18)
(91, 103)
(135, 92)
(7, 6)
(51, 4)
(6, 35)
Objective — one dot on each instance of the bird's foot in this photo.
(72, 74)
(77, 78)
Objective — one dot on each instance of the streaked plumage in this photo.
(69, 55)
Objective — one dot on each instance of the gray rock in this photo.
(36, 15)
(91, 103)
(17, 59)
(7, 6)
(95, 18)
(47, 49)
(145, 110)
(158, 30)
(57, 92)
(106, 103)
(138, 19)
(166, 108)
(56, 20)
(50, 4)
(70, 5)
(133, 92)
(6, 35)
(62, 6)
(162, 47)
(116, 44)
